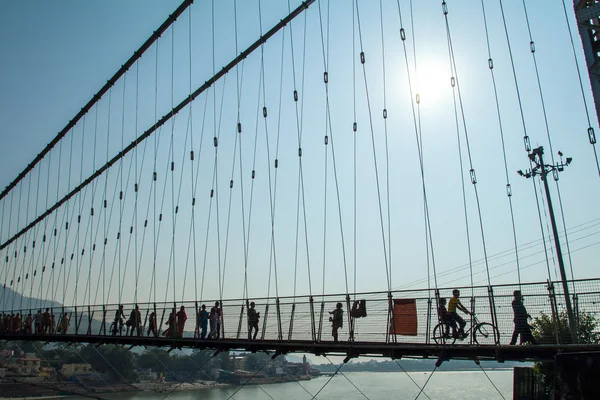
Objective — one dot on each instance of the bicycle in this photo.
(114, 330)
(482, 333)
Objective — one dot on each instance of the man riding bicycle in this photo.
(453, 304)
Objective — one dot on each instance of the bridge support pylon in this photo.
(588, 22)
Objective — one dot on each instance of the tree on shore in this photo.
(545, 330)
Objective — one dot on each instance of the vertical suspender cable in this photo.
(362, 56)
(387, 156)
(35, 264)
(55, 222)
(501, 130)
(526, 140)
(416, 111)
(216, 168)
(10, 213)
(121, 205)
(272, 189)
(464, 123)
(104, 205)
(173, 205)
(325, 164)
(22, 273)
(239, 133)
(325, 66)
(417, 99)
(193, 222)
(354, 135)
(45, 230)
(136, 183)
(17, 252)
(189, 132)
(66, 225)
(94, 188)
(238, 138)
(79, 216)
(543, 104)
(154, 180)
(300, 187)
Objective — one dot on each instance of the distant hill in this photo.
(13, 301)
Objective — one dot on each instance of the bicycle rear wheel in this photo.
(440, 336)
(486, 334)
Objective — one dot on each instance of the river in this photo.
(447, 385)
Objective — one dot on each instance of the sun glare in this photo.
(431, 81)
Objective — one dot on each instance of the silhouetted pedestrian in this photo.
(181, 318)
(203, 321)
(152, 327)
(253, 317)
(522, 327)
(215, 322)
(337, 320)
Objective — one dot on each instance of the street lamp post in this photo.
(536, 156)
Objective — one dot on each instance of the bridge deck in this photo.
(353, 349)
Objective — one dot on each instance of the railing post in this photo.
(90, 319)
(156, 328)
(312, 319)
(264, 327)
(291, 330)
(436, 294)
(76, 321)
(197, 325)
(321, 320)
(279, 333)
(142, 328)
(60, 318)
(554, 309)
(391, 322)
(162, 319)
(103, 326)
(222, 328)
(492, 312)
(239, 329)
(350, 320)
(576, 309)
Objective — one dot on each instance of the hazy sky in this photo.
(56, 55)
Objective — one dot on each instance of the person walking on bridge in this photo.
(170, 332)
(253, 317)
(152, 327)
(337, 320)
(181, 318)
(203, 321)
(522, 327)
(135, 321)
(215, 321)
(37, 320)
(46, 321)
(64, 324)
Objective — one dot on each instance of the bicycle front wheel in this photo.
(486, 334)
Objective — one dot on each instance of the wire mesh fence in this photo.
(406, 316)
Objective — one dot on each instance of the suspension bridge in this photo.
(299, 156)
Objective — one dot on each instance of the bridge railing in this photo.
(404, 316)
